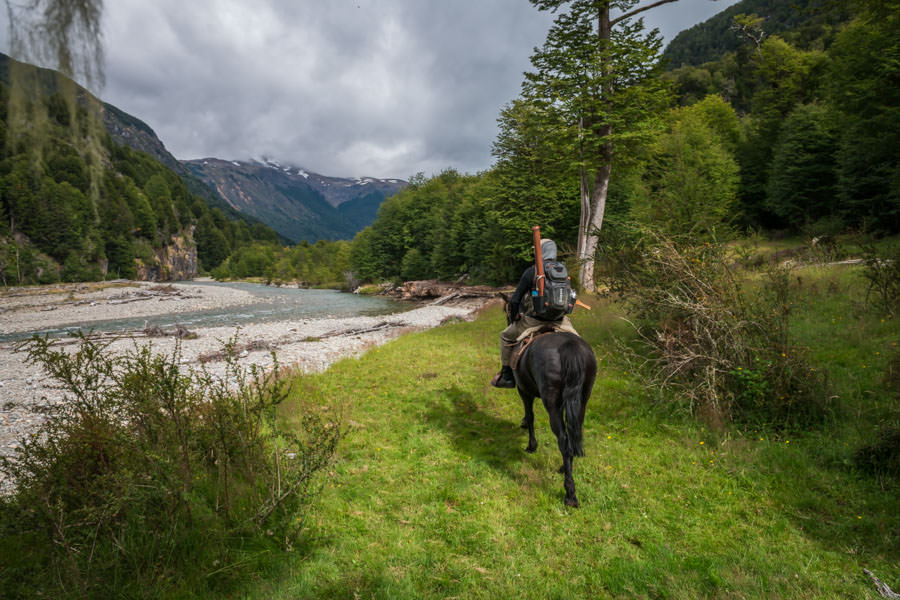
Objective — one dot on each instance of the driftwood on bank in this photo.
(441, 292)
(359, 331)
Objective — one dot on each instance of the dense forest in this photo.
(804, 23)
(73, 210)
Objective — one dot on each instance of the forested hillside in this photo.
(75, 206)
(818, 123)
(802, 22)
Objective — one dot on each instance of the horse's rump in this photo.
(525, 340)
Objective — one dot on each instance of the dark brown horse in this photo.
(559, 368)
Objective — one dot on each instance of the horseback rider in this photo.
(523, 317)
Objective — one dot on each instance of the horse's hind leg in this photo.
(559, 429)
(528, 420)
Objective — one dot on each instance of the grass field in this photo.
(433, 496)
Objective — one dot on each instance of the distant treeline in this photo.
(444, 227)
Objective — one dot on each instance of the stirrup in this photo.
(500, 381)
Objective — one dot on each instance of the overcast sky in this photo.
(382, 88)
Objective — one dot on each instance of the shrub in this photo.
(722, 346)
(147, 472)
(882, 271)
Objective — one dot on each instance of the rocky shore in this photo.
(309, 345)
(43, 307)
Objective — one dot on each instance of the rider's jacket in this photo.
(521, 298)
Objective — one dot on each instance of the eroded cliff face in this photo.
(176, 261)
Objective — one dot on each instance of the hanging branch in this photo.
(630, 14)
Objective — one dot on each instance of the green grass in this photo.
(433, 495)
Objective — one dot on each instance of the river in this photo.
(271, 304)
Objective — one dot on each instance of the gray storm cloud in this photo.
(384, 88)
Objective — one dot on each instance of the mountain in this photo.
(77, 205)
(124, 129)
(128, 130)
(800, 21)
(298, 204)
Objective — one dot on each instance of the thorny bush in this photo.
(720, 342)
(147, 466)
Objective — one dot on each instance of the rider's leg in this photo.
(566, 325)
(508, 337)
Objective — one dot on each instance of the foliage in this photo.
(882, 271)
(691, 177)
(23, 262)
(146, 469)
(535, 179)
(802, 186)
(862, 86)
(769, 84)
(70, 193)
(62, 32)
(452, 225)
(804, 22)
(414, 265)
(321, 264)
(724, 348)
(819, 106)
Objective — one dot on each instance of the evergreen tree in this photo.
(160, 197)
(212, 247)
(864, 87)
(597, 73)
(770, 84)
(802, 178)
(535, 180)
(692, 177)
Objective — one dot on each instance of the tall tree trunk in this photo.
(585, 215)
(580, 251)
(592, 220)
(595, 222)
(592, 214)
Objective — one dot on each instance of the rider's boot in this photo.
(505, 378)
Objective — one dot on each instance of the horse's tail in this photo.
(573, 373)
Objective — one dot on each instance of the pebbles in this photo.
(34, 308)
(310, 345)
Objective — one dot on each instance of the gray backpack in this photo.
(559, 297)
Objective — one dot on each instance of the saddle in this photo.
(528, 336)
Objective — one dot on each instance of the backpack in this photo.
(559, 297)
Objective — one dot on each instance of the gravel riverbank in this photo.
(37, 308)
(310, 345)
